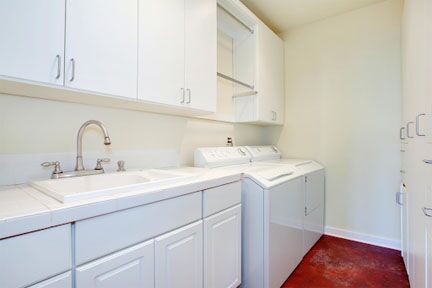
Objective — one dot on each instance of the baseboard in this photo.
(364, 238)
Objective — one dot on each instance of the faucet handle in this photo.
(56, 164)
(121, 166)
(100, 161)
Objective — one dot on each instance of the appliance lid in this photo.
(275, 173)
(271, 174)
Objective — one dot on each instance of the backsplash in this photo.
(23, 168)
(33, 131)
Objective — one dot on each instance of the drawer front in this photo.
(60, 281)
(222, 197)
(103, 235)
(34, 257)
(132, 267)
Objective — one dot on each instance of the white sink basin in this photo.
(81, 188)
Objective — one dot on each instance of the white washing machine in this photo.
(314, 189)
(272, 214)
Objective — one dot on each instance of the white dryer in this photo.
(314, 189)
(272, 214)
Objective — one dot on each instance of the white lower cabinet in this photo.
(60, 281)
(132, 267)
(34, 257)
(190, 241)
(222, 249)
(179, 258)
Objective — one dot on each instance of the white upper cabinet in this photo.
(101, 46)
(161, 51)
(270, 81)
(177, 53)
(32, 40)
(257, 72)
(201, 54)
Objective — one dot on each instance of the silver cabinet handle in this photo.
(427, 161)
(72, 60)
(189, 96)
(401, 137)
(183, 95)
(427, 211)
(398, 198)
(274, 115)
(58, 57)
(418, 124)
(408, 129)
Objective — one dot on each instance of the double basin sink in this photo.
(81, 188)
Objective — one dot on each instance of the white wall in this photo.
(343, 109)
(35, 130)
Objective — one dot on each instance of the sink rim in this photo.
(67, 197)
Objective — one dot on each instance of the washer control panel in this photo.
(263, 153)
(211, 157)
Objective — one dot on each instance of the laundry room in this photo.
(215, 143)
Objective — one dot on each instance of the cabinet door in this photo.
(201, 54)
(161, 51)
(32, 39)
(315, 190)
(179, 258)
(313, 220)
(222, 249)
(60, 281)
(270, 76)
(132, 267)
(101, 46)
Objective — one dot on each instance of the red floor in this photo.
(336, 262)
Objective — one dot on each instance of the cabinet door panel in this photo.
(132, 268)
(102, 40)
(32, 35)
(201, 54)
(222, 249)
(21, 264)
(270, 76)
(179, 258)
(315, 187)
(161, 51)
(60, 281)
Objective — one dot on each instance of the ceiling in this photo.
(282, 15)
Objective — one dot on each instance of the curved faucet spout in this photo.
(107, 141)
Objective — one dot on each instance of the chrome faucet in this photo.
(79, 166)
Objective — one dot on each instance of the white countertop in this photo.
(24, 209)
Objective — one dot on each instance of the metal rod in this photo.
(251, 93)
(235, 81)
(235, 18)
